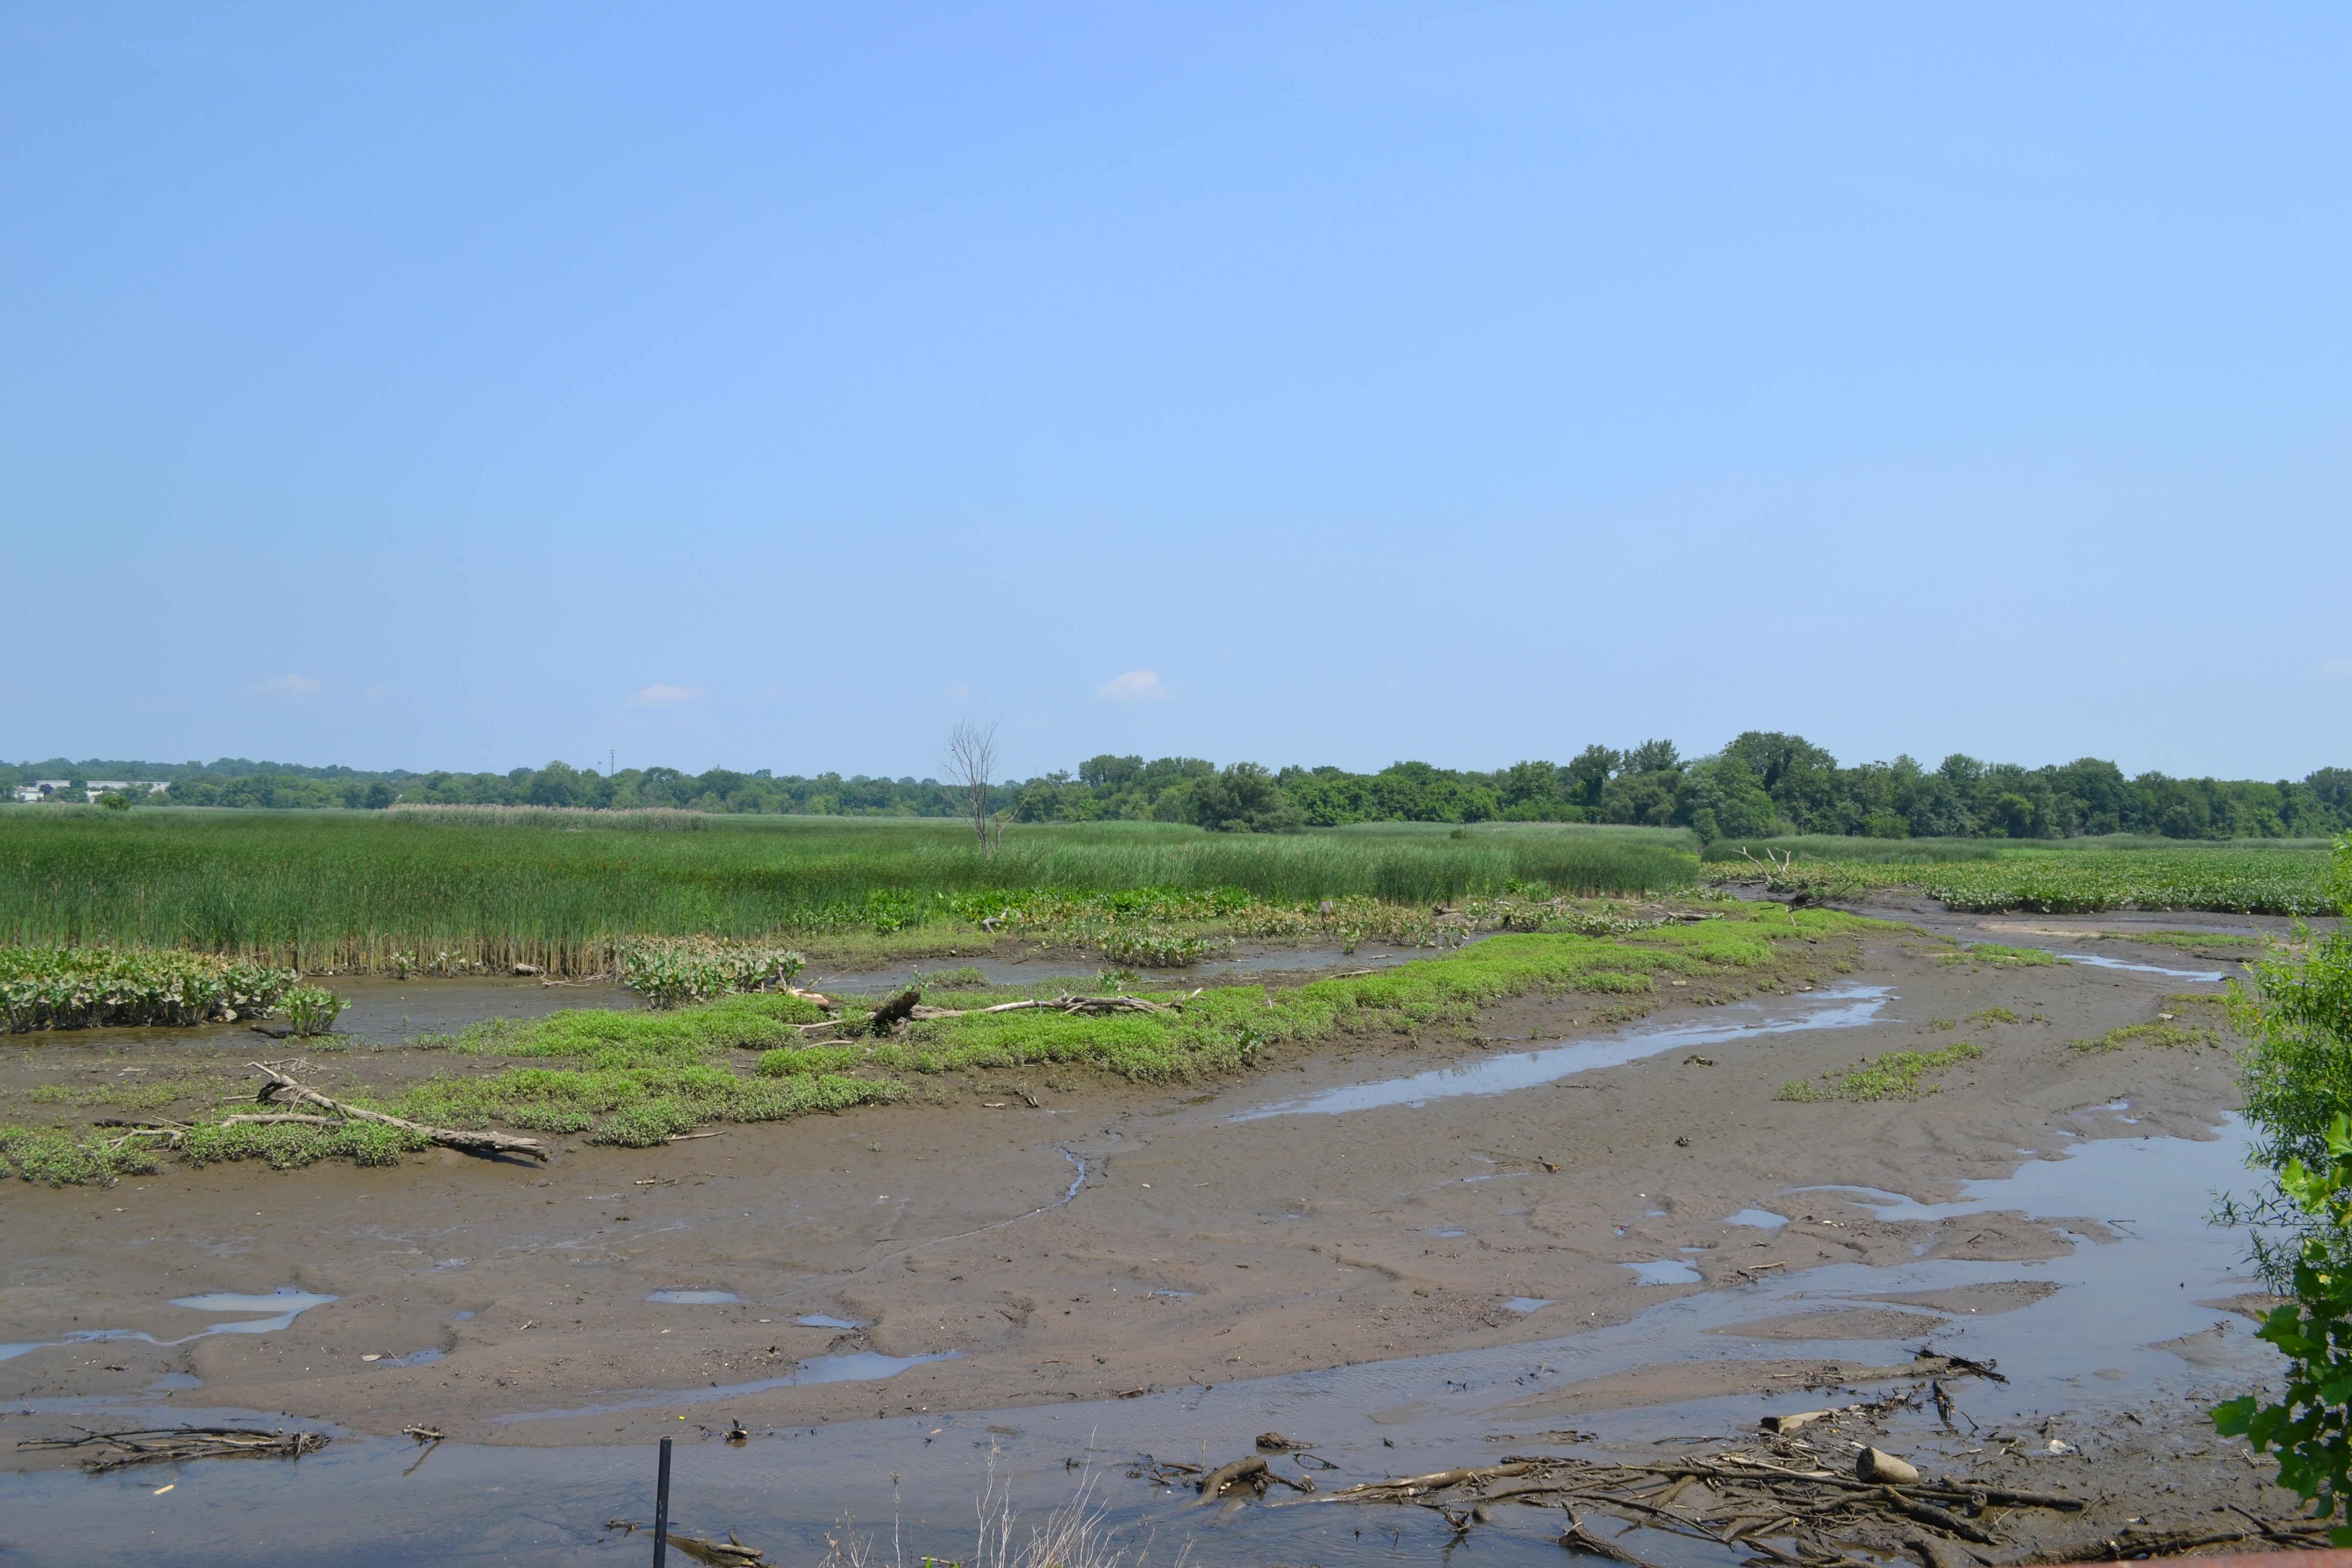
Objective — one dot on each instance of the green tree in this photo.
(2298, 1082)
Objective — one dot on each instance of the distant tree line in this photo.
(1762, 784)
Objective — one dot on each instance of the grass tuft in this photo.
(1897, 1075)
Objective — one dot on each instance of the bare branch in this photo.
(970, 763)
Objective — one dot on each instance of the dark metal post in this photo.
(661, 1511)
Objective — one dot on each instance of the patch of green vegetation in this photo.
(639, 1079)
(1994, 952)
(970, 978)
(1897, 1075)
(57, 1157)
(2187, 940)
(2286, 879)
(2187, 1020)
(84, 987)
(1994, 1016)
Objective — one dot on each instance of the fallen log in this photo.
(702, 1549)
(277, 1087)
(1066, 1005)
(1928, 1513)
(1216, 1482)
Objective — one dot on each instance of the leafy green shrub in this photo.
(671, 971)
(2310, 1427)
(312, 1009)
(85, 987)
(1151, 949)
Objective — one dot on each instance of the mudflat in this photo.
(1112, 1240)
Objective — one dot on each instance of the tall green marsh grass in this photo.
(398, 890)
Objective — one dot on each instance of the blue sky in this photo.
(770, 387)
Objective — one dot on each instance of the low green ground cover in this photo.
(639, 1079)
(1897, 1075)
(2187, 1020)
(1995, 952)
(2288, 878)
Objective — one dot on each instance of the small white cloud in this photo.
(376, 693)
(957, 693)
(2337, 669)
(1135, 686)
(767, 694)
(288, 688)
(660, 695)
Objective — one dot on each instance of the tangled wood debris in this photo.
(730, 1551)
(279, 1088)
(115, 1450)
(1784, 1501)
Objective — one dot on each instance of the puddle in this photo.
(287, 1302)
(1177, 1295)
(865, 1366)
(1844, 1007)
(696, 1298)
(1449, 1235)
(1664, 1271)
(1527, 1303)
(414, 1358)
(1761, 1219)
(2100, 961)
(285, 1299)
(826, 1320)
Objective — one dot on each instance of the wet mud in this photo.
(1416, 1253)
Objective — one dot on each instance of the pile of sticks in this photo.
(1732, 1498)
(115, 1450)
(1783, 1504)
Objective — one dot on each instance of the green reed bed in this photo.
(640, 1078)
(401, 891)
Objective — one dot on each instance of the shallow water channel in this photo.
(2131, 1287)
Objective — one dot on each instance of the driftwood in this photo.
(116, 1450)
(1734, 1498)
(1063, 1004)
(277, 1087)
(819, 998)
(701, 1548)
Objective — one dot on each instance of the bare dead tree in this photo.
(969, 763)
